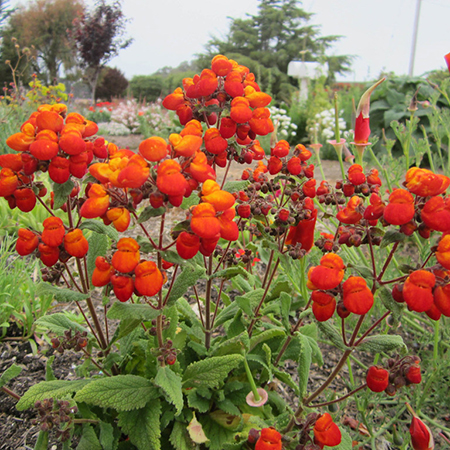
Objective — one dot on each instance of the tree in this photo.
(278, 34)
(112, 83)
(98, 37)
(44, 25)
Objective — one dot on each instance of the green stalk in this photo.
(256, 395)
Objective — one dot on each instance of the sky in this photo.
(379, 33)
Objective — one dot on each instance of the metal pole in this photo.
(414, 40)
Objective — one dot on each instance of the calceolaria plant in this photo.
(200, 316)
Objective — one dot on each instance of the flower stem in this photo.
(256, 395)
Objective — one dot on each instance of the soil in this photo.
(17, 431)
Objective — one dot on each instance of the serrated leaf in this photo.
(185, 309)
(179, 437)
(49, 375)
(244, 303)
(106, 435)
(389, 303)
(381, 343)
(231, 272)
(265, 336)
(89, 440)
(392, 236)
(122, 392)
(100, 228)
(143, 426)
(58, 323)
(61, 191)
(187, 278)
(60, 294)
(285, 306)
(364, 271)
(332, 333)
(10, 373)
(304, 364)
(218, 435)
(210, 372)
(197, 402)
(172, 257)
(190, 201)
(228, 407)
(346, 441)
(136, 311)
(235, 186)
(98, 245)
(47, 389)
(42, 441)
(236, 344)
(150, 212)
(284, 377)
(170, 383)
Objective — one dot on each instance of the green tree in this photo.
(98, 37)
(43, 26)
(279, 33)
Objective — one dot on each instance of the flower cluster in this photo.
(127, 113)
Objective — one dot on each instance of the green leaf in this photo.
(89, 440)
(42, 441)
(187, 278)
(332, 333)
(179, 437)
(389, 303)
(47, 389)
(189, 201)
(106, 435)
(98, 245)
(150, 212)
(284, 377)
(172, 257)
(185, 310)
(265, 336)
(143, 426)
(60, 294)
(61, 191)
(235, 186)
(122, 392)
(346, 441)
(244, 303)
(136, 311)
(170, 383)
(364, 271)
(10, 373)
(100, 227)
(237, 344)
(58, 323)
(382, 343)
(285, 304)
(198, 402)
(304, 364)
(218, 436)
(210, 372)
(49, 375)
(392, 236)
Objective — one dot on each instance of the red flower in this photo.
(48, 255)
(358, 298)
(356, 175)
(329, 273)
(377, 379)
(350, 214)
(204, 222)
(417, 290)
(421, 437)
(413, 374)
(75, 243)
(442, 299)
(170, 180)
(425, 183)
(323, 306)
(127, 256)
(260, 122)
(436, 214)
(400, 209)
(326, 432)
(214, 142)
(221, 65)
(149, 279)
(269, 439)
(54, 232)
(102, 272)
(25, 199)
(443, 251)
(303, 232)
(26, 242)
(153, 149)
(123, 287)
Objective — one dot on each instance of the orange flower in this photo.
(185, 145)
(356, 175)
(127, 256)
(441, 299)
(75, 243)
(135, 174)
(417, 290)
(260, 123)
(233, 85)
(377, 379)
(170, 181)
(153, 149)
(49, 120)
(303, 153)
(425, 183)
(97, 204)
(123, 287)
(323, 306)
(269, 439)
(20, 142)
(48, 255)
(58, 170)
(206, 84)
(204, 222)
(228, 228)
(400, 209)
(240, 110)
(8, 182)
(11, 161)
(373, 178)
(443, 251)
(350, 214)
(174, 100)
(227, 127)
(309, 188)
(326, 432)
(303, 232)
(120, 217)
(44, 149)
(294, 165)
(53, 234)
(376, 208)
(26, 242)
(329, 273)
(149, 279)
(200, 170)
(72, 144)
(221, 65)
(358, 298)
(436, 214)
(214, 142)
(281, 149)
(187, 245)
(256, 98)
(25, 199)
(102, 273)
(221, 200)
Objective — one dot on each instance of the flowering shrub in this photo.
(158, 120)
(127, 113)
(285, 127)
(170, 377)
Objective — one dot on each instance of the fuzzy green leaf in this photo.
(89, 440)
(150, 212)
(47, 389)
(237, 344)
(58, 323)
(60, 294)
(61, 191)
(197, 402)
(389, 303)
(392, 236)
(382, 343)
(265, 336)
(106, 435)
(235, 186)
(170, 383)
(285, 305)
(98, 245)
(122, 392)
(136, 311)
(10, 373)
(231, 272)
(210, 372)
(42, 441)
(100, 227)
(218, 436)
(187, 278)
(192, 200)
(172, 257)
(304, 364)
(332, 333)
(346, 441)
(179, 437)
(143, 426)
